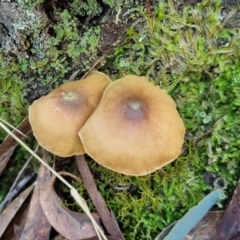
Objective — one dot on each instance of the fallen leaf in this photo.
(14, 229)
(180, 229)
(8, 214)
(18, 231)
(59, 237)
(37, 227)
(9, 144)
(205, 227)
(17, 188)
(108, 218)
(108, 237)
(229, 227)
(71, 225)
(165, 231)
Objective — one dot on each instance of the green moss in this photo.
(155, 201)
(12, 103)
(77, 44)
(179, 43)
(196, 59)
(85, 9)
(29, 4)
(152, 202)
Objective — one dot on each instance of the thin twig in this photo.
(201, 136)
(94, 65)
(73, 76)
(195, 140)
(8, 198)
(148, 6)
(17, 190)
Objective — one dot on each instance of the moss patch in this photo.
(194, 57)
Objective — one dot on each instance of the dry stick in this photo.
(94, 65)
(196, 140)
(107, 216)
(203, 135)
(73, 191)
(148, 6)
(230, 14)
(6, 200)
(73, 76)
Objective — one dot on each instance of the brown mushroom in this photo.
(57, 117)
(136, 128)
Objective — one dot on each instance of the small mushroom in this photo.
(136, 128)
(57, 117)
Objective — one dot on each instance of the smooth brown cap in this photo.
(136, 128)
(57, 117)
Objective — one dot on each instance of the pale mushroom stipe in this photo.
(136, 128)
(57, 117)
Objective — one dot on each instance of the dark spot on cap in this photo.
(71, 99)
(134, 110)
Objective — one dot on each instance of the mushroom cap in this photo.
(136, 128)
(57, 117)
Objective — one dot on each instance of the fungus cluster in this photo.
(129, 126)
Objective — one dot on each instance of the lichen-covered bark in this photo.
(54, 39)
(18, 27)
(49, 42)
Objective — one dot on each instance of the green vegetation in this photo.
(189, 53)
(12, 103)
(196, 59)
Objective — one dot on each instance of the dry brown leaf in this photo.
(59, 237)
(108, 237)
(205, 227)
(71, 225)
(107, 216)
(9, 144)
(8, 214)
(17, 231)
(229, 227)
(37, 227)
(14, 229)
